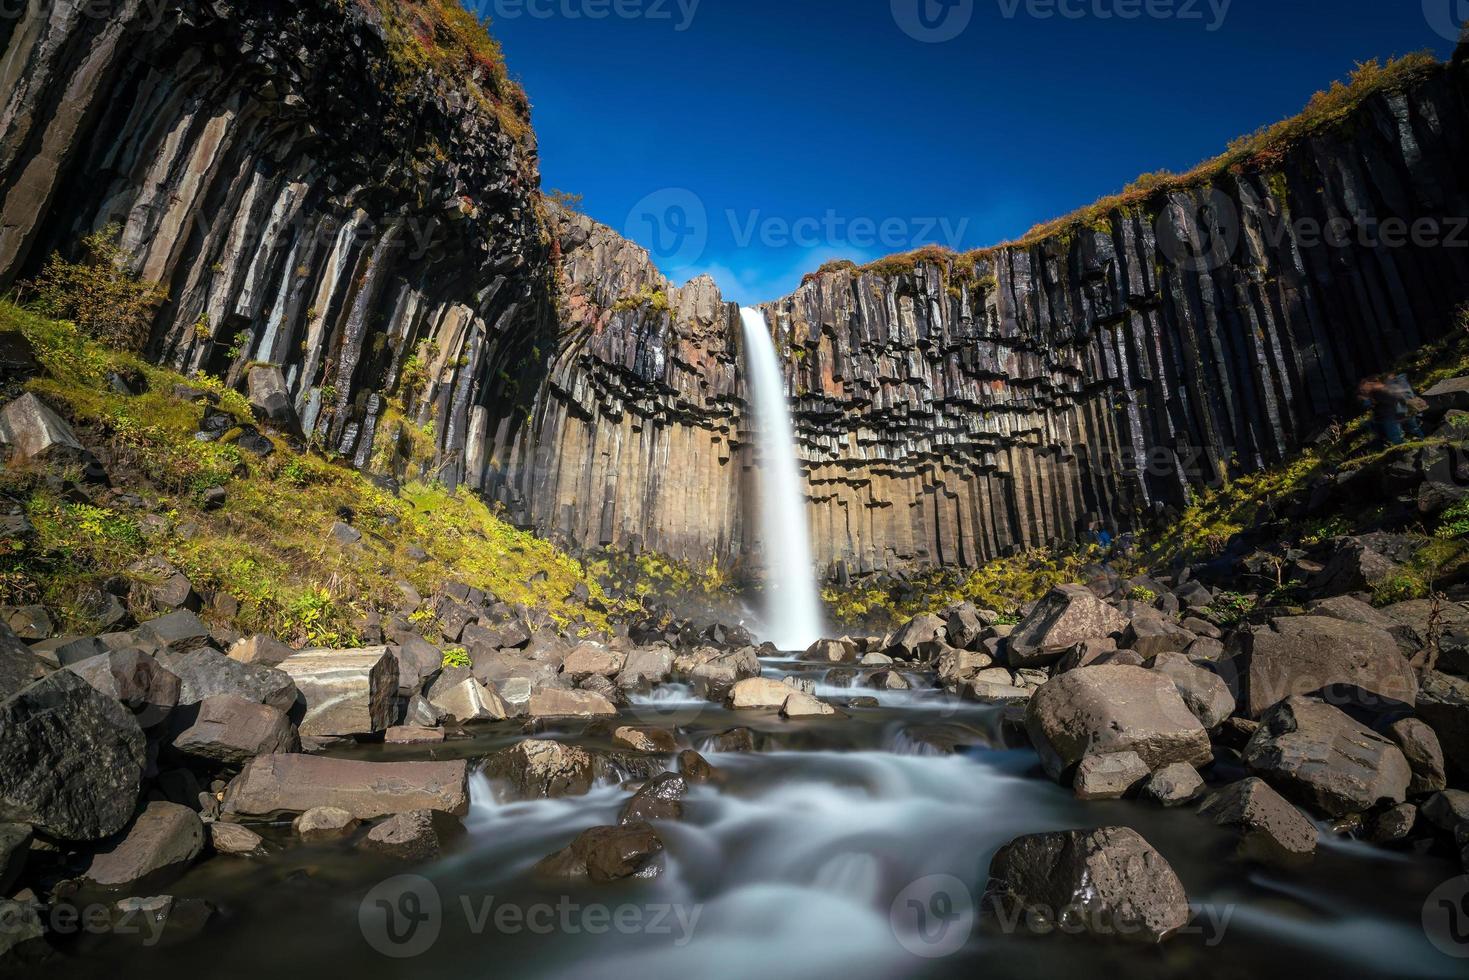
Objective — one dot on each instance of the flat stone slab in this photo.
(273, 785)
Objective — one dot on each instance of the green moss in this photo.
(268, 546)
(649, 298)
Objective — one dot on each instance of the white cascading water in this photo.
(792, 606)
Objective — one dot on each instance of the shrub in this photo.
(456, 657)
(97, 294)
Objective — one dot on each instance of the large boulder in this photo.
(759, 692)
(830, 652)
(1420, 746)
(418, 835)
(964, 627)
(71, 759)
(1151, 636)
(1443, 705)
(918, 639)
(260, 649)
(1102, 709)
(272, 785)
(142, 685)
(1107, 882)
(541, 768)
(717, 669)
(458, 695)
(661, 798)
(204, 673)
(606, 854)
(1317, 755)
(31, 431)
(1110, 776)
(1205, 692)
(1066, 616)
(1355, 566)
(346, 692)
(165, 836)
(228, 730)
(418, 662)
(177, 632)
(593, 659)
(1272, 830)
(1349, 663)
(270, 398)
(646, 667)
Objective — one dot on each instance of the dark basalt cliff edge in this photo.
(305, 199)
(310, 204)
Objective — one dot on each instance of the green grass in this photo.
(268, 546)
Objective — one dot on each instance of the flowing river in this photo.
(843, 847)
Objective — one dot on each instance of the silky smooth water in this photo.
(808, 861)
(792, 604)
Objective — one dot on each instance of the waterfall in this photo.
(792, 606)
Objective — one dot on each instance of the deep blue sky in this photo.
(781, 110)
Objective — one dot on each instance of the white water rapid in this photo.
(792, 605)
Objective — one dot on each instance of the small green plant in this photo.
(1143, 594)
(456, 657)
(1229, 608)
(98, 294)
(1400, 587)
(1454, 522)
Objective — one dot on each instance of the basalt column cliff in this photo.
(317, 194)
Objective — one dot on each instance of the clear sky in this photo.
(756, 139)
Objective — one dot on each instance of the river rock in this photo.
(346, 692)
(1086, 653)
(1421, 748)
(1095, 710)
(918, 638)
(1205, 693)
(604, 854)
(541, 768)
(717, 669)
(1066, 616)
(231, 838)
(271, 785)
(71, 759)
(593, 659)
(696, 769)
(1393, 824)
(640, 739)
(660, 799)
(1443, 705)
(1352, 662)
(1173, 785)
(1272, 831)
(164, 836)
(418, 835)
(419, 661)
(1152, 636)
(205, 673)
(802, 705)
(324, 823)
(830, 652)
(955, 667)
(458, 695)
(758, 693)
(1317, 755)
(1109, 776)
(646, 667)
(22, 934)
(136, 680)
(230, 730)
(1107, 882)
(963, 627)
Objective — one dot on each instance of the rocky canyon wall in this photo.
(308, 194)
(313, 199)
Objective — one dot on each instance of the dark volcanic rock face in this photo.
(376, 233)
